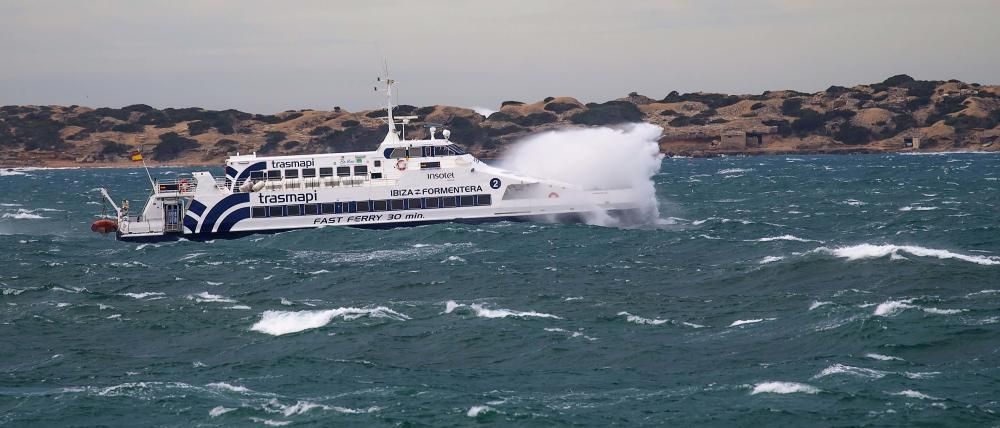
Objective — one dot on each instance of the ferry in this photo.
(401, 183)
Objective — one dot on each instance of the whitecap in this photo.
(239, 307)
(270, 422)
(640, 320)
(228, 387)
(869, 251)
(893, 307)
(917, 208)
(23, 214)
(770, 259)
(143, 295)
(783, 388)
(783, 238)
(817, 304)
(733, 171)
(351, 411)
(881, 357)
(914, 394)
(206, 297)
(475, 411)
(482, 312)
(278, 323)
(851, 370)
(219, 411)
(752, 321)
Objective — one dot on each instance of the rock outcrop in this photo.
(897, 114)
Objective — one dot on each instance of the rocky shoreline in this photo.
(900, 114)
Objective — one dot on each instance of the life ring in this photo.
(553, 195)
(184, 185)
(401, 165)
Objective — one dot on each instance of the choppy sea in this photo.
(788, 291)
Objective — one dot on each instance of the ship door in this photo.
(172, 217)
(376, 170)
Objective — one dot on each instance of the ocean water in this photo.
(790, 291)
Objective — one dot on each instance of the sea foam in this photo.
(278, 323)
(783, 388)
(482, 312)
(870, 251)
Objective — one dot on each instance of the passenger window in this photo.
(309, 173)
(291, 173)
(396, 204)
(362, 206)
(467, 201)
(484, 200)
(274, 175)
(351, 207)
(448, 202)
(456, 150)
(258, 212)
(398, 152)
(293, 210)
(379, 205)
(441, 151)
(329, 209)
(415, 203)
(257, 175)
(310, 209)
(343, 171)
(326, 172)
(361, 170)
(275, 211)
(431, 202)
(376, 175)
(414, 152)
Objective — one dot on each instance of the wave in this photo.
(893, 307)
(635, 319)
(914, 394)
(851, 370)
(881, 357)
(270, 422)
(783, 238)
(228, 387)
(733, 171)
(817, 304)
(475, 411)
(870, 251)
(753, 321)
(23, 214)
(867, 373)
(783, 388)
(219, 411)
(144, 295)
(480, 311)
(918, 208)
(205, 297)
(277, 323)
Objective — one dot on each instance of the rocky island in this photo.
(898, 114)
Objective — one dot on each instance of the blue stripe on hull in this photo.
(208, 222)
(197, 208)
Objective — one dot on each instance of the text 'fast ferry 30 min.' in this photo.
(402, 183)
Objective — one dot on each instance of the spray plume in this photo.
(626, 156)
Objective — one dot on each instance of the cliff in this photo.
(898, 114)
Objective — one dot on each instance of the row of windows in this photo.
(371, 206)
(423, 151)
(342, 171)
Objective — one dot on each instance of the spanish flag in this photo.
(136, 156)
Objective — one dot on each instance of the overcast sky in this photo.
(269, 56)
